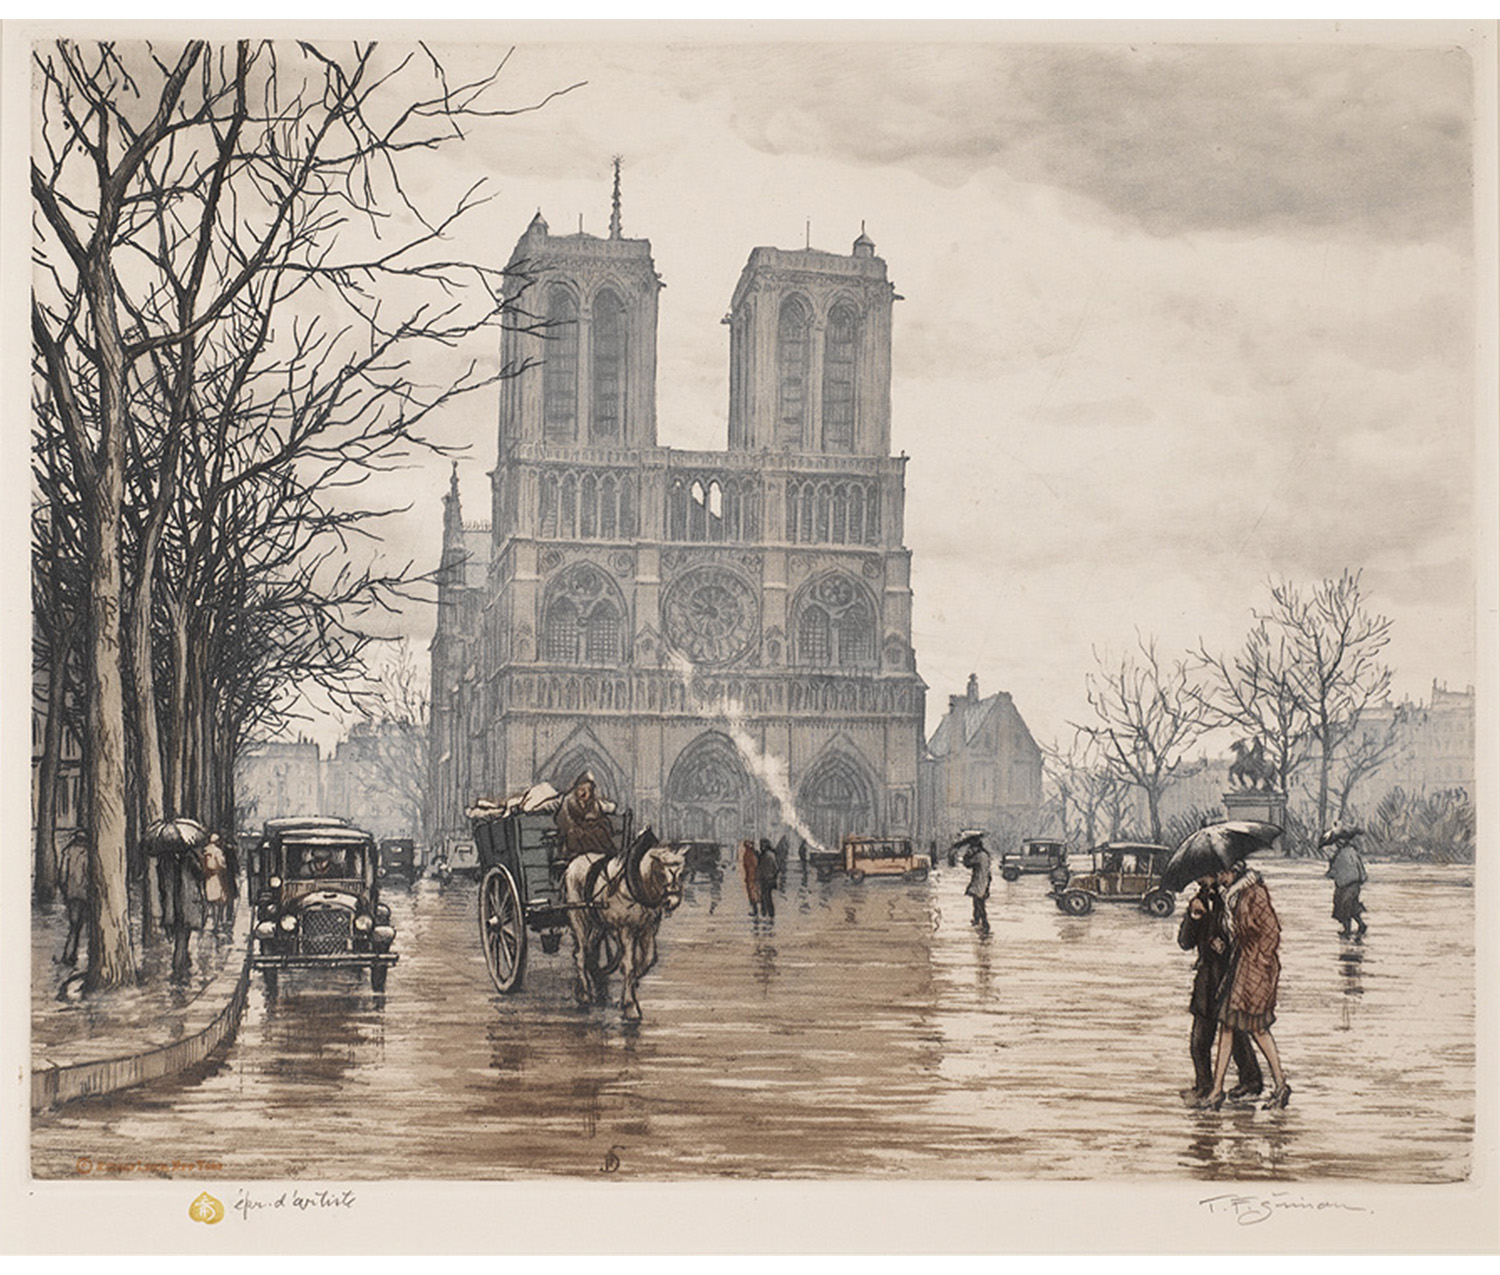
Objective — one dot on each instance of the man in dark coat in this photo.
(1205, 926)
(768, 872)
(977, 860)
(583, 821)
(75, 893)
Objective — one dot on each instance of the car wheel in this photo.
(1077, 903)
(917, 874)
(856, 876)
(377, 977)
(1159, 903)
(1011, 874)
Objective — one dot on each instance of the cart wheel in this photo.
(1077, 903)
(377, 977)
(1011, 874)
(856, 876)
(502, 929)
(1159, 903)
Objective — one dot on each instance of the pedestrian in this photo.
(750, 868)
(179, 878)
(583, 820)
(977, 860)
(75, 893)
(1346, 867)
(1248, 1003)
(1205, 926)
(768, 872)
(215, 881)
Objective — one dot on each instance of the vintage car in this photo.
(701, 859)
(1119, 872)
(315, 883)
(398, 857)
(1034, 856)
(873, 857)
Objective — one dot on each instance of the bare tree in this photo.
(1147, 718)
(184, 196)
(1086, 786)
(398, 713)
(1334, 670)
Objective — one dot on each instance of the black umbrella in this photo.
(1214, 848)
(1339, 834)
(173, 836)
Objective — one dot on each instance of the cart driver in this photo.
(583, 820)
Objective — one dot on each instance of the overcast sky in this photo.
(1178, 319)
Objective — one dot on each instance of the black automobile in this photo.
(316, 886)
(398, 858)
(1034, 856)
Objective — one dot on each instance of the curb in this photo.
(53, 1086)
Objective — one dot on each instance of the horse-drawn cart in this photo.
(521, 867)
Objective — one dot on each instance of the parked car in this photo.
(1035, 856)
(315, 883)
(701, 859)
(398, 857)
(874, 857)
(1119, 872)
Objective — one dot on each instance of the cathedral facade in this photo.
(712, 634)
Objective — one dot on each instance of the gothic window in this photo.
(608, 356)
(627, 509)
(607, 514)
(560, 368)
(835, 624)
(561, 639)
(567, 523)
(805, 532)
(839, 345)
(840, 514)
(602, 635)
(793, 356)
(813, 644)
(821, 517)
(677, 510)
(857, 515)
(549, 502)
(872, 515)
(588, 506)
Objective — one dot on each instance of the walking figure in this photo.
(75, 893)
(1248, 1004)
(767, 873)
(977, 860)
(1206, 927)
(1346, 867)
(750, 869)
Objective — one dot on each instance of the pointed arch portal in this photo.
(837, 797)
(710, 795)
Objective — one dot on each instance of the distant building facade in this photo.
(983, 770)
(273, 781)
(366, 782)
(1433, 747)
(651, 614)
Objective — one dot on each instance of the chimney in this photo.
(973, 688)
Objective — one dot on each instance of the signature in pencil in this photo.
(1248, 1210)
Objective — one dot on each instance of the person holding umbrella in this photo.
(1346, 867)
(1238, 939)
(977, 860)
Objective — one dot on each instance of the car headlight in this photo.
(274, 883)
(265, 930)
(385, 933)
(362, 923)
(382, 913)
(289, 923)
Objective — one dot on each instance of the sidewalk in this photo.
(127, 1035)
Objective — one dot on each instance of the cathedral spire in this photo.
(614, 215)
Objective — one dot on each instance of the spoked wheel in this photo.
(502, 929)
(1076, 903)
(1159, 903)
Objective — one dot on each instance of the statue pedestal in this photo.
(1260, 805)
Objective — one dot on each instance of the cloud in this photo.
(1172, 138)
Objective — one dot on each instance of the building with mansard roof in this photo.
(675, 620)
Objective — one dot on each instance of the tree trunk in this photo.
(44, 877)
(177, 735)
(1153, 805)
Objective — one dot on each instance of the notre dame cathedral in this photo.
(775, 568)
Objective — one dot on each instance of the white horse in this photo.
(626, 899)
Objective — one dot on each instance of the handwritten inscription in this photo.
(1250, 1210)
(297, 1201)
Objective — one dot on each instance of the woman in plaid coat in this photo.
(1248, 1002)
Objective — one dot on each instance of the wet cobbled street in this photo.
(867, 1032)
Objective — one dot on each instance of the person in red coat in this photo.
(1248, 1003)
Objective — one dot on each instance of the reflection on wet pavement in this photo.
(867, 1031)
